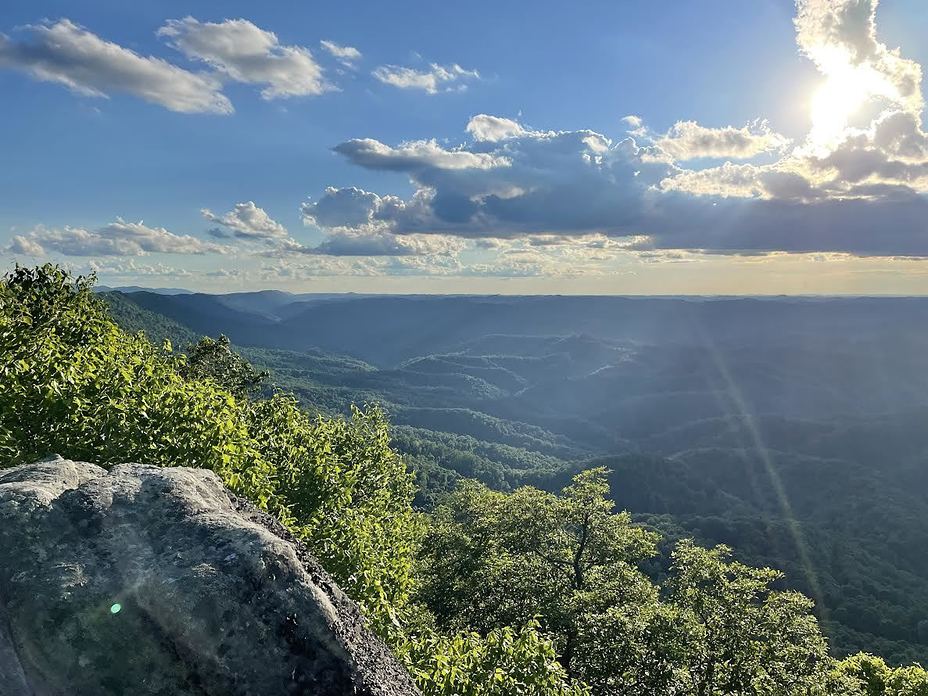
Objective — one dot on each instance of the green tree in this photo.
(349, 495)
(873, 677)
(493, 559)
(214, 359)
(73, 383)
(504, 662)
(743, 636)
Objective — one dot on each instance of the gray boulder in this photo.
(144, 580)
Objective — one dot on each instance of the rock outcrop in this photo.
(144, 580)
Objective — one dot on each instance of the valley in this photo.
(791, 429)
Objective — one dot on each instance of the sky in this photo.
(660, 147)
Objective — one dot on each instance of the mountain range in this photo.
(792, 429)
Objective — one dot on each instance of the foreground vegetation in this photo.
(528, 592)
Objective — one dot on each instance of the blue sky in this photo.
(477, 148)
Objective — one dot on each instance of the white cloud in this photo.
(24, 246)
(511, 200)
(581, 183)
(726, 180)
(131, 269)
(493, 128)
(379, 242)
(226, 273)
(688, 140)
(526, 266)
(248, 221)
(358, 223)
(319, 266)
(577, 180)
(857, 184)
(246, 53)
(414, 155)
(119, 238)
(68, 54)
(346, 55)
(436, 78)
(346, 207)
(840, 37)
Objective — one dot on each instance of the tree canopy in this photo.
(73, 383)
(492, 594)
(570, 562)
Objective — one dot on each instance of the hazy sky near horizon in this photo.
(686, 146)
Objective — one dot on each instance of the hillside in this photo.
(790, 429)
(157, 327)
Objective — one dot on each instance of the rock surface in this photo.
(143, 580)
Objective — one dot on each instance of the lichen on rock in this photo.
(149, 580)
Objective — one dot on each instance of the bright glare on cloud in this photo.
(493, 128)
(840, 37)
(689, 140)
(847, 87)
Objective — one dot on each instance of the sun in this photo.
(847, 88)
(833, 105)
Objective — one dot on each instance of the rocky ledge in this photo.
(147, 580)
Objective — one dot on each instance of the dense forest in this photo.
(790, 429)
(536, 584)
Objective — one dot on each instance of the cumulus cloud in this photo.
(383, 243)
(688, 140)
(840, 37)
(346, 55)
(118, 238)
(24, 246)
(493, 128)
(581, 183)
(887, 159)
(856, 184)
(247, 221)
(131, 269)
(243, 52)
(359, 224)
(416, 155)
(66, 53)
(321, 266)
(345, 207)
(437, 78)
(514, 200)
(534, 182)
(728, 179)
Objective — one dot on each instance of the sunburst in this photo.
(848, 87)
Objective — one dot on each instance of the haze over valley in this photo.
(791, 429)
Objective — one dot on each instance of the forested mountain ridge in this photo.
(790, 429)
(548, 593)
